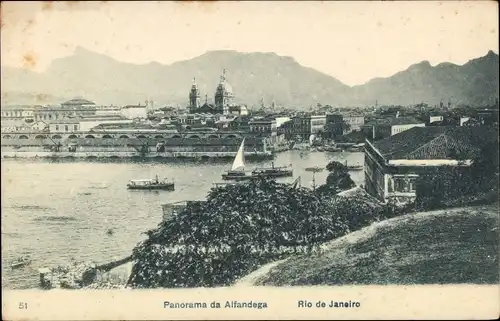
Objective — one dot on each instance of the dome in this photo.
(225, 88)
(78, 101)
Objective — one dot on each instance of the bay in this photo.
(56, 211)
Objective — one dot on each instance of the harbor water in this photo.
(58, 211)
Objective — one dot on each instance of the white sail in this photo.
(239, 160)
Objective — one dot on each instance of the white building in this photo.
(108, 110)
(87, 123)
(39, 125)
(240, 110)
(64, 126)
(433, 119)
(281, 120)
(135, 111)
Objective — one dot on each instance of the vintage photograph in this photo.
(181, 144)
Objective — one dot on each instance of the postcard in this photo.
(261, 160)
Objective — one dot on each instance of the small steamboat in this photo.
(280, 171)
(151, 184)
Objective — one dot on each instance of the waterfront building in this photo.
(108, 110)
(382, 128)
(69, 109)
(89, 122)
(39, 126)
(341, 124)
(241, 123)
(285, 129)
(64, 125)
(354, 121)
(393, 164)
(11, 125)
(17, 113)
(305, 125)
(280, 120)
(265, 127)
(135, 111)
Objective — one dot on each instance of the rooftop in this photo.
(394, 121)
(134, 106)
(101, 117)
(434, 142)
(78, 101)
(63, 121)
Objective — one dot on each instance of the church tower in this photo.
(194, 98)
(223, 95)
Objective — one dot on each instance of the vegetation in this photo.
(337, 180)
(239, 228)
(442, 247)
(242, 227)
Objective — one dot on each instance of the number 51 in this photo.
(23, 305)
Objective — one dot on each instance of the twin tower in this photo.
(223, 96)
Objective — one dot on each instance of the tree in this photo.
(238, 228)
(337, 180)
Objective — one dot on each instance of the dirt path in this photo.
(249, 280)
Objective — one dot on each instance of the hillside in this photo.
(474, 83)
(447, 246)
(252, 75)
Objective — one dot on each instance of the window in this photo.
(57, 127)
(66, 128)
(75, 127)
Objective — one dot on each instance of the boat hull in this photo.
(273, 174)
(228, 177)
(163, 187)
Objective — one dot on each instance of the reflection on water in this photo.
(58, 210)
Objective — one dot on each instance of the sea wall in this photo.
(146, 148)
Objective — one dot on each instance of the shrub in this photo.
(337, 180)
(237, 229)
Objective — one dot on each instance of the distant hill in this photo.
(252, 75)
(474, 83)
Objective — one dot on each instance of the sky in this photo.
(351, 41)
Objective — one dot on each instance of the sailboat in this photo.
(237, 171)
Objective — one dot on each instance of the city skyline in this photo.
(453, 32)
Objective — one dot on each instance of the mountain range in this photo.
(253, 76)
